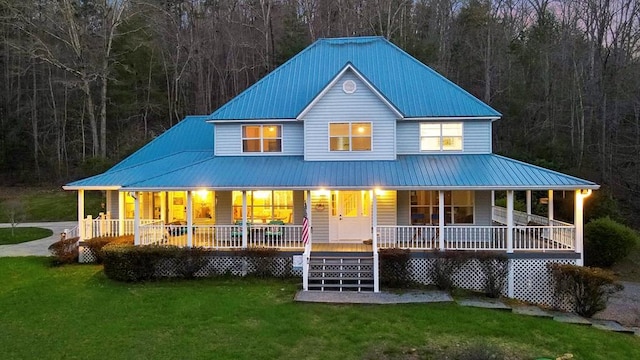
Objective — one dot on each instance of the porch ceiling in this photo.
(436, 172)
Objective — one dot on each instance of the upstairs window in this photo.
(441, 136)
(350, 136)
(261, 138)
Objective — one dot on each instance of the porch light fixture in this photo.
(202, 194)
(261, 194)
(322, 192)
(586, 193)
(379, 191)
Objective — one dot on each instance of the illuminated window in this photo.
(350, 136)
(458, 207)
(440, 136)
(261, 138)
(264, 206)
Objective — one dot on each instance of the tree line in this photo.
(86, 82)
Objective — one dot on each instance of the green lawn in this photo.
(45, 204)
(22, 234)
(75, 312)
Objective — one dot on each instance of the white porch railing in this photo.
(72, 233)
(461, 237)
(522, 218)
(111, 227)
(152, 233)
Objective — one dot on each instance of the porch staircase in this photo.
(341, 271)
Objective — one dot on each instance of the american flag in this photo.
(305, 230)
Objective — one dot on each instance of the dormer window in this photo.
(354, 136)
(261, 138)
(441, 136)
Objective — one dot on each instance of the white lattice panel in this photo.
(420, 270)
(469, 276)
(532, 281)
(85, 255)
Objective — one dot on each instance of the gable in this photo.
(412, 87)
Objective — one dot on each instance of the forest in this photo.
(87, 82)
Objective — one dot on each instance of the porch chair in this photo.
(274, 230)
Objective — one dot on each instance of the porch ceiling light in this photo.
(202, 194)
(260, 194)
(379, 191)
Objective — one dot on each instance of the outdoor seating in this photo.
(274, 230)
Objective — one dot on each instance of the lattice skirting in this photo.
(219, 264)
(531, 278)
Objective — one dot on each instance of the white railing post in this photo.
(528, 192)
(122, 196)
(578, 220)
(441, 220)
(136, 218)
(81, 214)
(245, 236)
(374, 242)
(189, 218)
(550, 206)
(510, 221)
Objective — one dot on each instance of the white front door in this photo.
(350, 217)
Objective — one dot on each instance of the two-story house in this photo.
(372, 147)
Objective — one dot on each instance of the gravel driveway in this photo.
(36, 247)
(624, 307)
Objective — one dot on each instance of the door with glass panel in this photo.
(350, 218)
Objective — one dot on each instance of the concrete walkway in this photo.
(36, 247)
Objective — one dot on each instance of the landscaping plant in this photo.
(607, 241)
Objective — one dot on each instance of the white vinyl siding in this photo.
(404, 208)
(483, 208)
(224, 210)
(476, 137)
(319, 217)
(228, 140)
(338, 106)
(387, 208)
(113, 197)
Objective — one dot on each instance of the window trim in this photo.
(433, 207)
(351, 136)
(441, 136)
(261, 138)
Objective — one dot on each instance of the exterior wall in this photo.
(319, 217)
(337, 106)
(483, 210)
(404, 208)
(476, 137)
(112, 205)
(228, 140)
(298, 207)
(387, 208)
(223, 208)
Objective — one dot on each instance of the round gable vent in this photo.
(349, 86)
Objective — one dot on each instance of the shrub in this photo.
(587, 289)
(607, 241)
(495, 269)
(261, 261)
(96, 244)
(445, 267)
(394, 267)
(134, 263)
(191, 260)
(64, 251)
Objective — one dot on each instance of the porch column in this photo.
(578, 222)
(136, 218)
(189, 218)
(550, 206)
(374, 242)
(510, 221)
(528, 192)
(81, 225)
(122, 197)
(307, 247)
(441, 220)
(163, 206)
(245, 237)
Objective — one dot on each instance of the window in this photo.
(458, 207)
(261, 138)
(440, 136)
(350, 136)
(264, 206)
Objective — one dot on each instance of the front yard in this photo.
(76, 312)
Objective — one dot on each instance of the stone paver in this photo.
(372, 298)
(484, 303)
(36, 247)
(531, 311)
(570, 318)
(611, 325)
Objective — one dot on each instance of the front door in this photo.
(350, 219)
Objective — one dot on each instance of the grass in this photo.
(75, 312)
(22, 234)
(47, 204)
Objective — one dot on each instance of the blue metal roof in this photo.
(436, 172)
(193, 133)
(412, 87)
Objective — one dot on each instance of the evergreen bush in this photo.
(394, 267)
(587, 289)
(607, 242)
(64, 251)
(96, 244)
